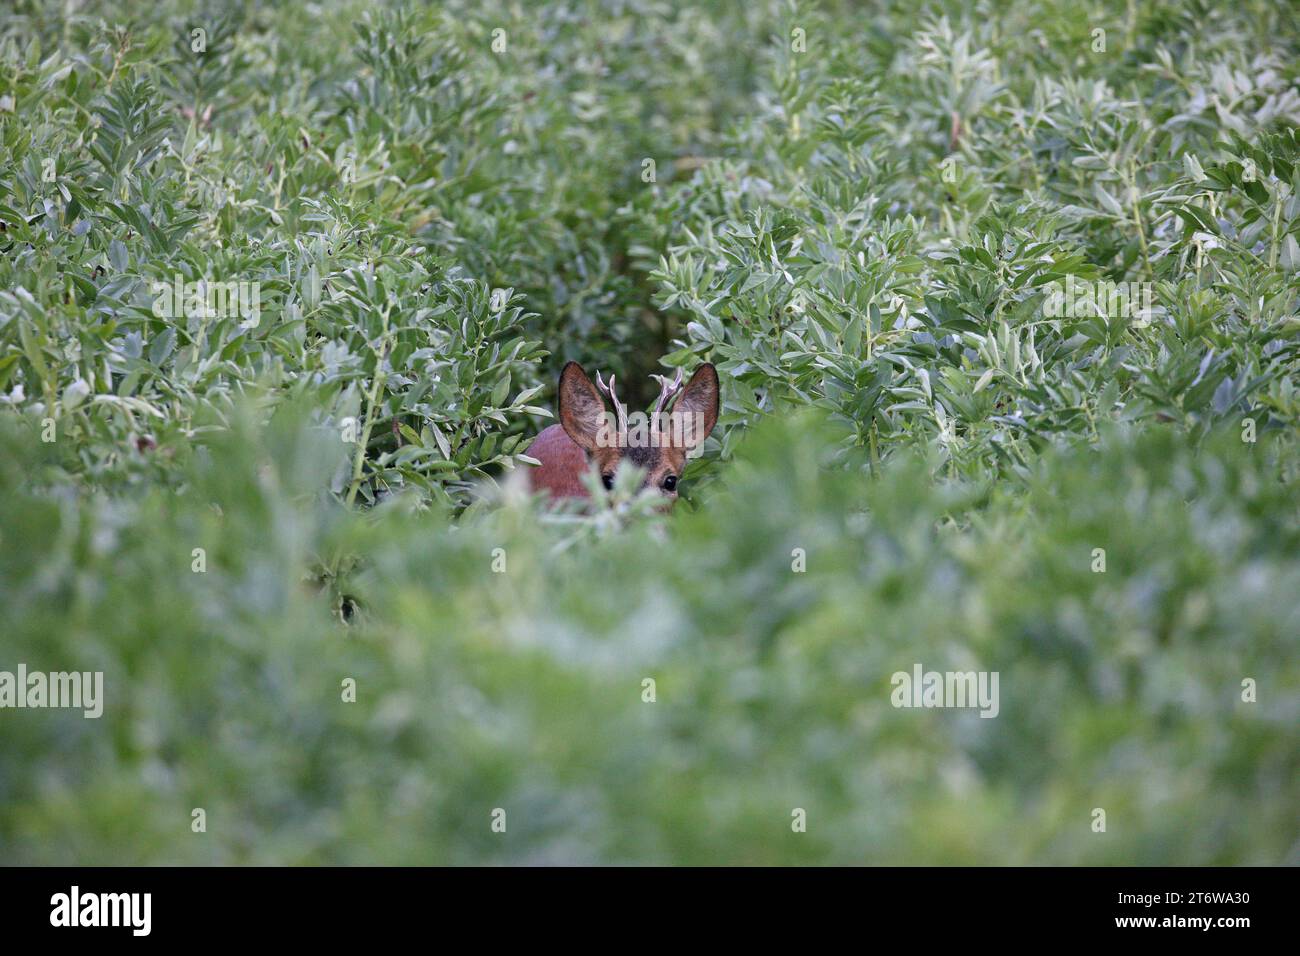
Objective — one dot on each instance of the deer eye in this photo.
(670, 483)
(607, 481)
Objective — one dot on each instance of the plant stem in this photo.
(1137, 219)
(358, 463)
(1277, 214)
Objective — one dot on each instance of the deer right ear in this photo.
(582, 410)
(697, 407)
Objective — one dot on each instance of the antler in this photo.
(667, 390)
(619, 408)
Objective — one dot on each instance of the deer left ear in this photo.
(698, 406)
(582, 410)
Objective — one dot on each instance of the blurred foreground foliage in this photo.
(523, 689)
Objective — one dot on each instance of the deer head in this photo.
(658, 443)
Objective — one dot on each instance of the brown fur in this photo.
(563, 463)
(569, 449)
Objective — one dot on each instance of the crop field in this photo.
(1003, 299)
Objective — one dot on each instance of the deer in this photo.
(587, 438)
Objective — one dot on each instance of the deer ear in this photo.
(698, 406)
(582, 410)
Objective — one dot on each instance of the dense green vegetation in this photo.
(861, 215)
